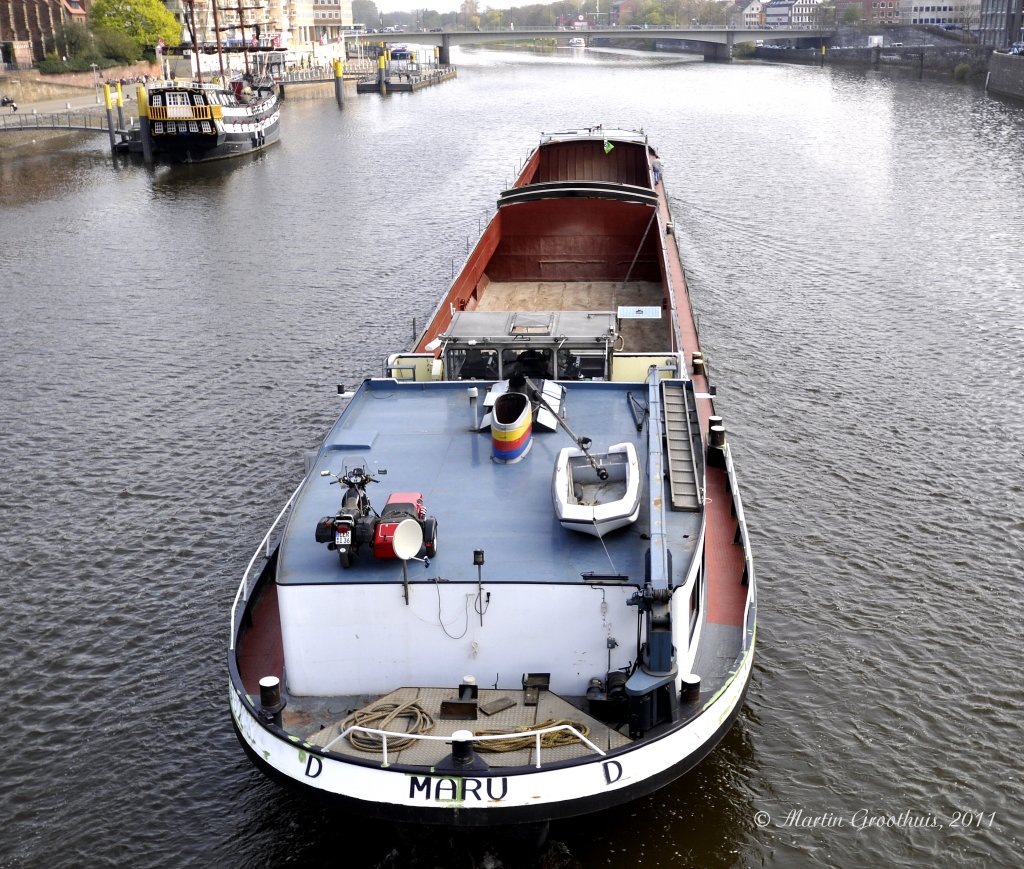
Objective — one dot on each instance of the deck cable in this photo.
(547, 740)
(380, 717)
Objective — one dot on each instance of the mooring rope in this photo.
(547, 740)
(380, 717)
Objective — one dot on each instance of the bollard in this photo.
(697, 360)
(462, 748)
(271, 703)
(716, 446)
(690, 688)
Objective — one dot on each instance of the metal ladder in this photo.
(682, 429)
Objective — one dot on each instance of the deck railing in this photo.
(535, 734)
(185, 113)
(741, 522)
(242, 595)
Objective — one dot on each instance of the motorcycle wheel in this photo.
(345, 557)
(430, 538)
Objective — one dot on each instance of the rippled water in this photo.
(171, 342)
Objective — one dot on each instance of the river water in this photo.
(171, 342)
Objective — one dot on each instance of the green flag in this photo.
(608, 146)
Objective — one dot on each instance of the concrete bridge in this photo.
(717, 42)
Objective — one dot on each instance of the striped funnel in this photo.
(511, 427)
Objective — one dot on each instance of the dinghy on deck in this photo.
(590, 504)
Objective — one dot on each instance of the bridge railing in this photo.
(592, 29)
(55, 121)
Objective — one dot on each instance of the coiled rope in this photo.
(380, 717)
(547, 740)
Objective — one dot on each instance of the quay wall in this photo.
(1006, 75)
(933, 59)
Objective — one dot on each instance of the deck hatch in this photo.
(530, 323)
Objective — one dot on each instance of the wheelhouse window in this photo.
(472, 363)
(581, 365)
(531, 362)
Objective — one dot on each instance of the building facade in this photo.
(1001, 22)
(33, 26)
(884, 12)
(961, 14)
(753, 14)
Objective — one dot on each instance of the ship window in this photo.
(472, 363)
(580, 365)
(206, 127)
(193, 127)
(175, 98)
(172, 127)
(158, 128)
(158, 99)
(532, 362)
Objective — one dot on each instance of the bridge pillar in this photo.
(339, 81)
(110, 117)
(444, 55)
(715, 52)
(147, 142)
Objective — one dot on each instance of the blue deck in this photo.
(420, 433)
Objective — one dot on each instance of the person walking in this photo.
(14, 108)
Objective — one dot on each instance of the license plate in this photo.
(342, 538)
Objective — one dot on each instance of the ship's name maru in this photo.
(455, 789)
(450, 789)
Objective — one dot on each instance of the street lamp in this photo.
(96, 78)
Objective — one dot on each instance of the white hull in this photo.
(547, 793)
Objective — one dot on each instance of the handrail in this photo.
(83, 120)
(384, 734)
(243, 592)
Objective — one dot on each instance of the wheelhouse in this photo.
(550, 345)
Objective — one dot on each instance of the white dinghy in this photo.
(592, 502)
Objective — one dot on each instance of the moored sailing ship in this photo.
(554, 612)
(193, 121)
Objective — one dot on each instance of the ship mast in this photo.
(220, 54)
(195, 43)
(245, 44)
